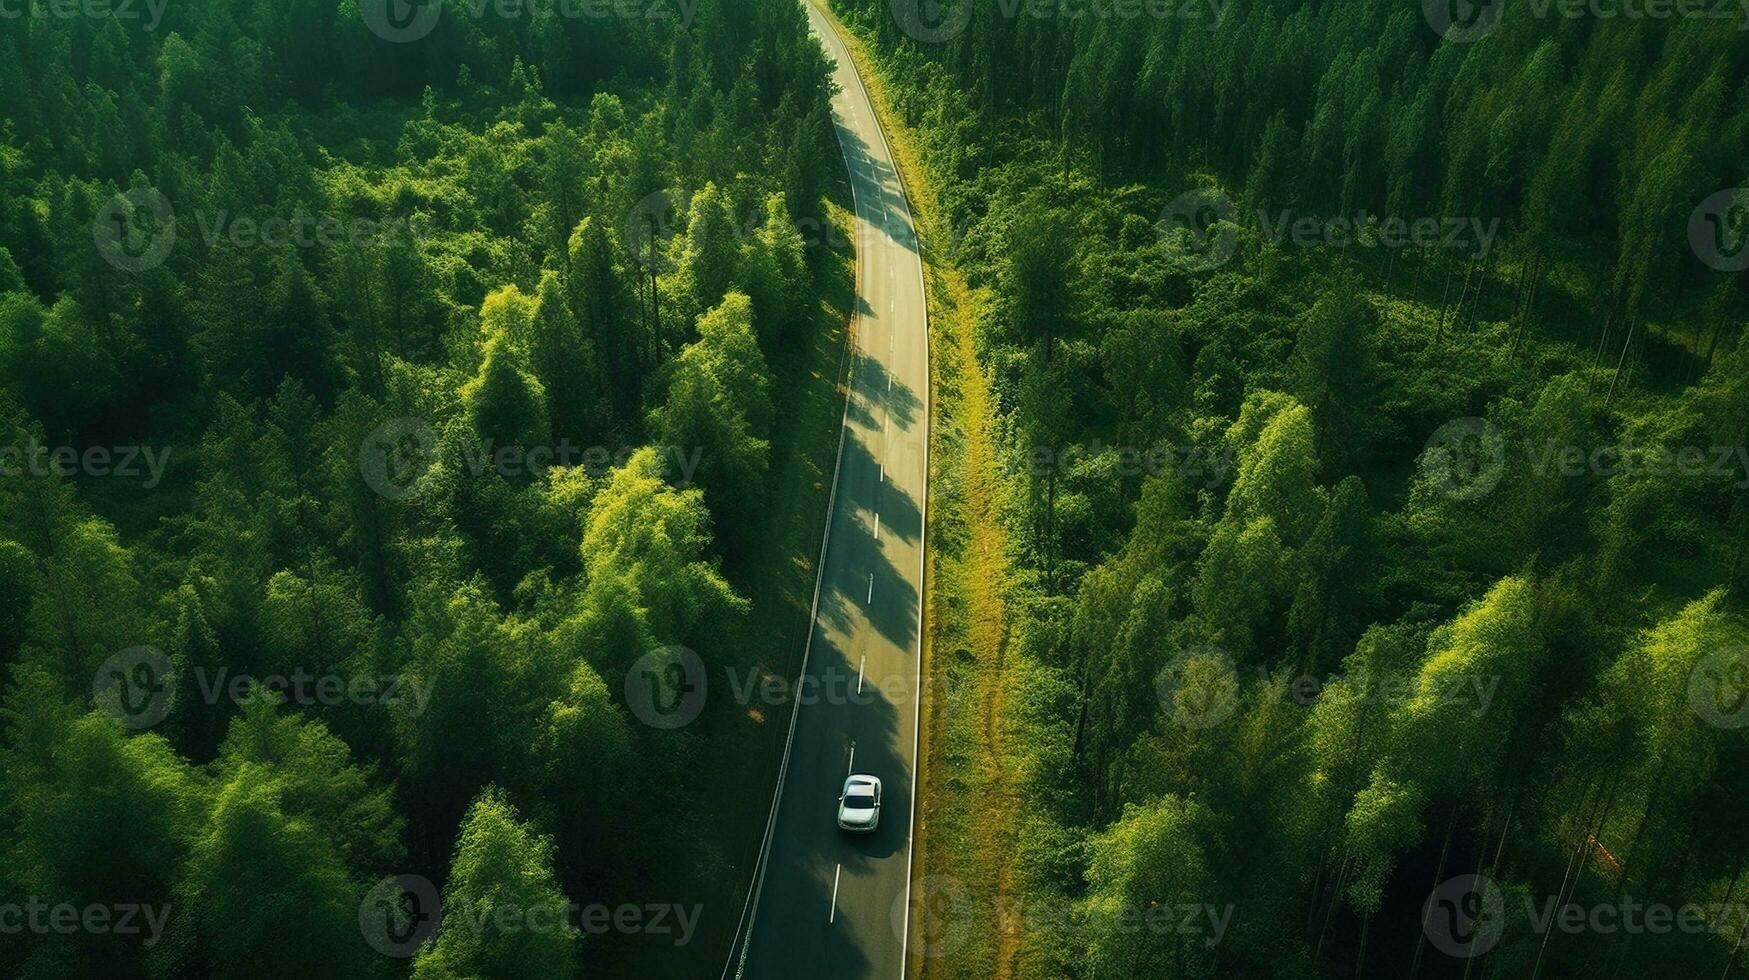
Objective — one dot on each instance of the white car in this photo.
(859, 806)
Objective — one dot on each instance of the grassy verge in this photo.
(966, 831)
(739, 745)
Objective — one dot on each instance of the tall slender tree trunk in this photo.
(1438, 876)
(1626, 343)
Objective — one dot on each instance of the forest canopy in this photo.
(1370, 396)
(433, 377)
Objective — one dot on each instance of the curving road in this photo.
(824, 903)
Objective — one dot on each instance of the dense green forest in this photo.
(1346, 567)
(369, 408)
(384, 386)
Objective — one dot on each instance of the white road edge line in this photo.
(743, 939)
(923, 509)
(750, 909)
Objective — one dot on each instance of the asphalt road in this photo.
(825, 903)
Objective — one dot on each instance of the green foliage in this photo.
(1448, 649)
(1152, 858)
(503, 913)
(398, 364)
